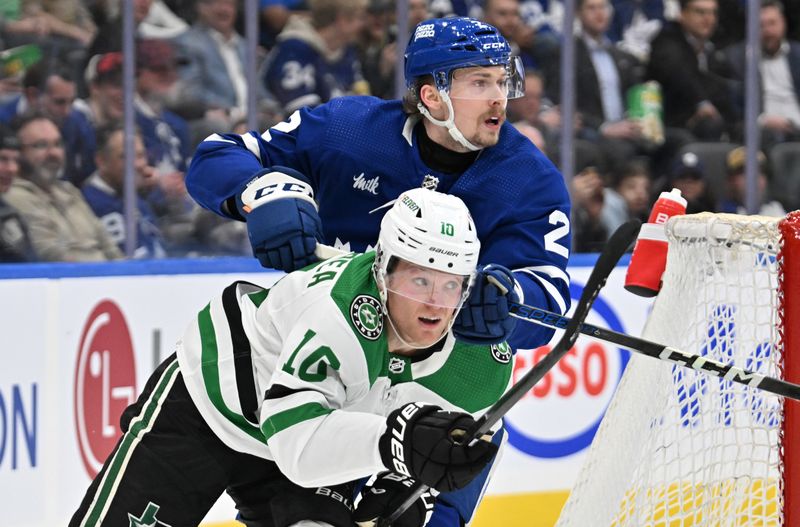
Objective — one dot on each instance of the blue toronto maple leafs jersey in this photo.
(300, 72)
(360, 153)
(109, 208)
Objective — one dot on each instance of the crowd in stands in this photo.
(61, 106)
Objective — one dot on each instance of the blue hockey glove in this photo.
(378, 498)
(484, 318)
(283, 224)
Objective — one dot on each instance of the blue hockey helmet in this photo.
(441, 45)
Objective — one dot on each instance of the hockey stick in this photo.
(659, 351)
(613, 251)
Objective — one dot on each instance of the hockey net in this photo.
(681, 448)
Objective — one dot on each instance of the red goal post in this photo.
(789, 286)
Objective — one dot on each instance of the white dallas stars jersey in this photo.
(301, 373)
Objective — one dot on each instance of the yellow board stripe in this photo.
(541, 509)
(510, 510)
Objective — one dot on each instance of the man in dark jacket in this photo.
(779, 77)
(694, 76)
(603, 75)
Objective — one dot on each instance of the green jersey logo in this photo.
(367, 316)
(501, 352)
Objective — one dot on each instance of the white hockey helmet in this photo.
(429, 229)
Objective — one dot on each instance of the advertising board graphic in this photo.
(105, 383)
(84, 345)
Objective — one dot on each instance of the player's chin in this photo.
(487, 139)
(429, 330)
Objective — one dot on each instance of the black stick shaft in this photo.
(662, 352)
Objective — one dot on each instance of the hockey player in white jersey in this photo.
(340, 371)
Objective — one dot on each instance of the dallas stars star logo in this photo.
(148, 517)
(367, 316)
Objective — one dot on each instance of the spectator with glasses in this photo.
(61, 224)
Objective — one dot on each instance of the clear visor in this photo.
(489, 82)
(426, 285)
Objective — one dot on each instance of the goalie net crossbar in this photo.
(681, 448)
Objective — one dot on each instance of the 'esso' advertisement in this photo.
(560, 415)
(550, 429)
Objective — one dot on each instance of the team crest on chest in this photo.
(367, 316)
(501, 352)
(397, 365)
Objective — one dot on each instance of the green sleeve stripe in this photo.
(287, 418)
(259, 297)
(210, 368)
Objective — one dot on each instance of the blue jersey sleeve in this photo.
(539, 264)
(524, 222)
(223, 163)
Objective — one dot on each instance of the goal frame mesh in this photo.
(598, 496)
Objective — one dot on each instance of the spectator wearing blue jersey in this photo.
(104, 192)
(165, 134)
(634, 24)
(326, 174)
(46, 88)
(315, 58)
(103, 107)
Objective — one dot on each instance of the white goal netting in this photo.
(679, 447)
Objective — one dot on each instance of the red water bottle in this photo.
(649, 258)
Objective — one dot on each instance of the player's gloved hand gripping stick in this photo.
(485, 318)
(616, 246)
(375, 498)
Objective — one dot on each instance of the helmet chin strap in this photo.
(449, 123)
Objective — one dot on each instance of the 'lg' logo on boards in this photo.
(105, 383)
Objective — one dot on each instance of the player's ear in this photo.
(429, 96)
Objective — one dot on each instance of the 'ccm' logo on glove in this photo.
(274, 185)
(285, 232)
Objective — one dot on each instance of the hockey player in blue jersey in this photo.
(325, 174)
